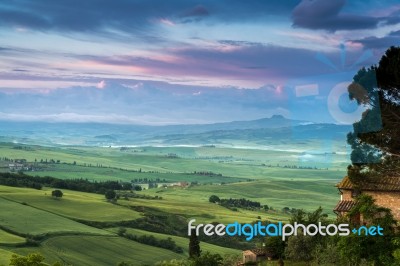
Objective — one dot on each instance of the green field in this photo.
(27, 220)
(183, 242)
(277, 178)
(5, 256)
(34, 212)
(7, 238)
(299, 191)
(230, 162)
(98, 250)
(77, 205)
(235, 166)
(104, 174)
(190, 207)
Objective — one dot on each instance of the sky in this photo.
(173, 62)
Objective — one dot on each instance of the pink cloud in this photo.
(101, 85)
(167, 22)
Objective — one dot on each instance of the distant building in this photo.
(385, 191)
(182, 184)
(256, 255)
(18, 167)
(142, 185)
(174, 184)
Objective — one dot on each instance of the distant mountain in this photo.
(276, 127)
(268, 136)
(145, 103)
(275, 121)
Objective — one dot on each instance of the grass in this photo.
(67, 171)
(279, 193)
(183, 242)
(28, 220)
(202, 211)
(73, 204)
(5, 256)
(7, 238)
(98, 250)
(28, 211)
(303, 188)
(237, 163)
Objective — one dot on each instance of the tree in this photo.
(174, 262)
(126, 186)
(57, 193)
(374, 140)
(33, 259)
(121, 231)
(194, 245)
(276, 245)
(328, 253)
(214, 199)
(124, 263)
(378, 250)
(375, 146)
(207, 259)
(137, 188)
(300, 247)
(110, 194)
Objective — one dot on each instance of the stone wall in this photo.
(389, 200)
(346, 195)
(385, 199)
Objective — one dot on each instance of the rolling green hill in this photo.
(33, 212)
(73, 204)
(281, 176)
(24, 219)
(183, 242)
(97, 250)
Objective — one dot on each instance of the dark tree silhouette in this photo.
(110, 194)
(375, 139)
(194, 245)
(214, 199)
(57, 193)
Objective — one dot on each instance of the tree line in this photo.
(83, 185)
(237, 203)
(167, 243)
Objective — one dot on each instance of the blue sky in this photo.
(161, 62)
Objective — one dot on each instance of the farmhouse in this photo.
(175, 184)
(182, 184)
(256, 255)
(385, 191)
(18, 167)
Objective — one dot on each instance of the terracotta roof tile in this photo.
(344, 206)
(378, 184)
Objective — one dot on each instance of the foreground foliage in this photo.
(33, 259)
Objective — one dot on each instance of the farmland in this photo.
(98, 250)
(14, 217)
(75, 205)
(62, 238)
(279, 178)
(183, 242)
